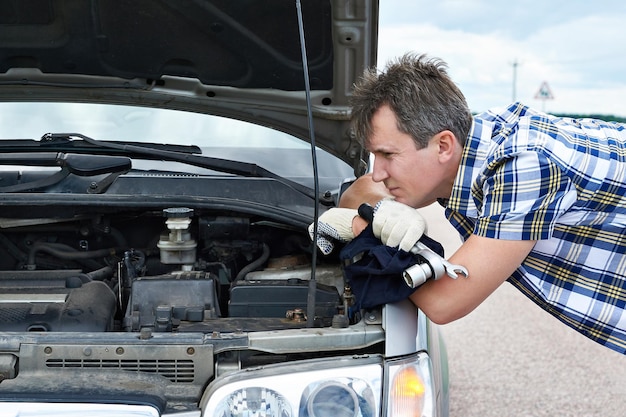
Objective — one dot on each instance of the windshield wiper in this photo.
(244, 169)
(77, 164)
(64, 143)
(83, 165)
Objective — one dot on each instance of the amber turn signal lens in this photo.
(407, 393)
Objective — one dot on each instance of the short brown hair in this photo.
(421, 94)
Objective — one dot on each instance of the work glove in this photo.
(333, 224)
(397, 225)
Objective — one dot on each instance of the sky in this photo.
(499, 51)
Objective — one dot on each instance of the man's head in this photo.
(414, 120)
(421, 94)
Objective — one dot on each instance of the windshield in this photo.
(217, 136)
(136, 124)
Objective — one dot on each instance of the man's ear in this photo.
(447, 145)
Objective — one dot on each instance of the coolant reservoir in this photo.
(177, 247)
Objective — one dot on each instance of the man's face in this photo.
(413, 176)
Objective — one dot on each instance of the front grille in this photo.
(14, 314)
(176, 370)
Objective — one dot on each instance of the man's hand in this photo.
(397, 224)
(333, 224)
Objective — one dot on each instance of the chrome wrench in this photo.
(434, 266)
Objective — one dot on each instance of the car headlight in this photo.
(254, 401)
(345, 387)
(410, 392)
(338, 387)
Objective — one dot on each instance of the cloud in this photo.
(497, 51)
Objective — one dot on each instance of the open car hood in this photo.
(239, 59)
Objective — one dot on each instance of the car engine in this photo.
(170, 270)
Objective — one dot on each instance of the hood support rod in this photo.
(312, 290)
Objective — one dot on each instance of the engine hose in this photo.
(255, 264)
(67, 252)
(100, 274)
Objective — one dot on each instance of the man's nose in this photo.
(379, 172)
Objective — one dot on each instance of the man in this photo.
(539, 200)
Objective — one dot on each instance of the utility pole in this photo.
(515, 64)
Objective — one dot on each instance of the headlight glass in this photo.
(410, 392)
(344, 387)
(254, 401)
(342, 397)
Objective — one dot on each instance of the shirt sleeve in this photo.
(521, 197)
(464, 225)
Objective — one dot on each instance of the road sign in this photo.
(544, 92)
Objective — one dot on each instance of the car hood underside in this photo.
(241, 59)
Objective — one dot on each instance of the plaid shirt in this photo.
(531, 176)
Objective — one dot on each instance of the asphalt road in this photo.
(509, 358)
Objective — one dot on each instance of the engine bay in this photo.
(170, 270)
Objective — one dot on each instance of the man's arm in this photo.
(489, 262)
(363, 190)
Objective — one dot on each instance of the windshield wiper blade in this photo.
(77, 164)
(64, 143)
(83, 165)
(244, 169)
(61, 144)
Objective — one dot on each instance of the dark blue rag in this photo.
(374, 270)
